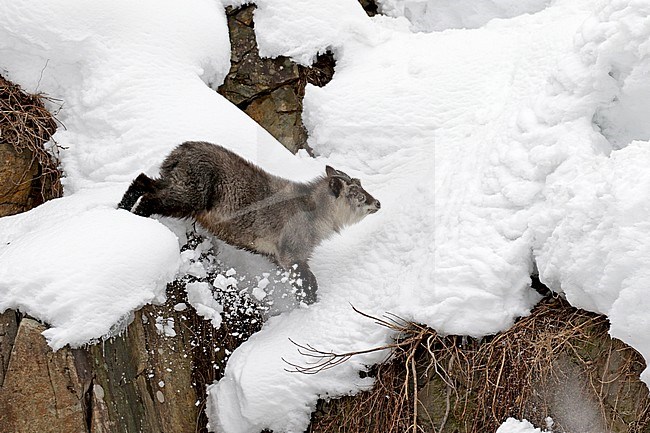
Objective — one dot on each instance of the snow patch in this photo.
(437, 15)
(512, 425)
(199, 296)
(71, 269)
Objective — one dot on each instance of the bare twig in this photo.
(27, 126)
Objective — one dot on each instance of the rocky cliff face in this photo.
(42, 391)
(144, 380)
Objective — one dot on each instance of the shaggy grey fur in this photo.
(249, 208)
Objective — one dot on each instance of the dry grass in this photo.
(436, 383)
(27, 125)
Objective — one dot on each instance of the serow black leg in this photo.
(304, 281)
(141, 185)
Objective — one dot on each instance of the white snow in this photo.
(259, 293)
(199, 296)
(222, 282)
(517, 146)
(436, 15)
(165, 326)
(98, 391)
(66, 263)
(592, 233)
(512, 425)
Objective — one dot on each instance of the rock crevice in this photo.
(270, 90)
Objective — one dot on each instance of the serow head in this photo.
(349, 190)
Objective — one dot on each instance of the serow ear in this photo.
(336, 185)
(329, 171)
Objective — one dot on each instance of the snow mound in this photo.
(437, 15)
(592, 232)
(302, 29)
(100, 63)
(71, 268)
(615, 44)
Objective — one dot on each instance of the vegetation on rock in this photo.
(30, 172)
